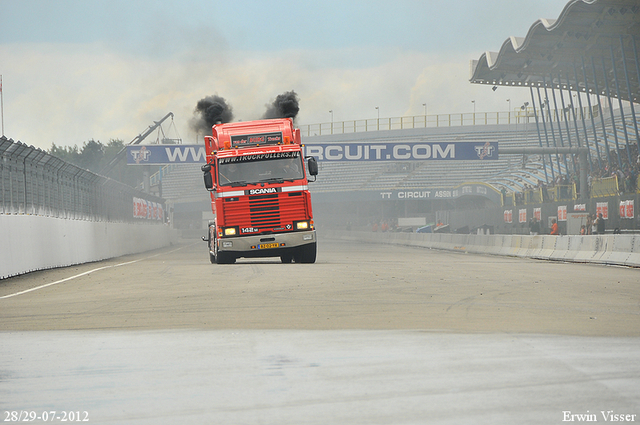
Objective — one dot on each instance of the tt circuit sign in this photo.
(402, 151)
(163, 154)
(420, 151)
(463, 190)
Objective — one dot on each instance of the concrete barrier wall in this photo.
(29, 243)
(622, 250)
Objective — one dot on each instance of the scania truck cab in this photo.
(256, 175)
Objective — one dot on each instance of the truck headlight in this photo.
(302, 225)
(230, 231)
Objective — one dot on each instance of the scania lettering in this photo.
(261, 191)
(260, 198)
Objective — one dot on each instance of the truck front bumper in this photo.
(266, 245)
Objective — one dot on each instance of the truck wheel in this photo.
(287, 258)
(212, 243)
(306, 254)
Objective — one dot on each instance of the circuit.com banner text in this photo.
(402, 151)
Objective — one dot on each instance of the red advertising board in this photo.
(508, 216)
(602, 208)
(522, 215)
(147, 210)
(537, 213)
(626, 209)
(562, 213)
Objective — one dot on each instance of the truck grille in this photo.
(265, 212)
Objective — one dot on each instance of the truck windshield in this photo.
(271, 168)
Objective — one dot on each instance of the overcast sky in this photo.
(75, 70)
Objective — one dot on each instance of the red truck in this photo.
(259, 192)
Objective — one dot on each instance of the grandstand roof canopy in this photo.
(553, 51)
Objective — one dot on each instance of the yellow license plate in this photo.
(269, 245)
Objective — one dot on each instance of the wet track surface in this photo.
(368, 334)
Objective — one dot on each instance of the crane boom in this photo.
(136, 140)
(140, 137)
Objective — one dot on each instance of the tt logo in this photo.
(141, 155)
(485, 150)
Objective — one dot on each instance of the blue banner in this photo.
(166, 154)
(417, 151)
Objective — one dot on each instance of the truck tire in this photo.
(306, 254)
(212, 242)
(287, 258)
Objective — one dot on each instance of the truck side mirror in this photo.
(208, 178)
(312, 164)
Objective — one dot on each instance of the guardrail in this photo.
(33, 182)
(601, 188)
(621, 250)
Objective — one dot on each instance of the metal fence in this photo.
(517, 116)
(33, 182)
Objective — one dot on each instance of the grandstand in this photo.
(351, 176)
(510, 172)
(182, 184)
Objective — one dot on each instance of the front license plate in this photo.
(269, 245)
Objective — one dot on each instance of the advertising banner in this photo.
(562, 213)
(508, 216)
(626, 209)
(522, 215)
(402, 151)
(148, 210)
(537, 213)
(602, 208)
(165, 154)
(417, 151)
(474, 189)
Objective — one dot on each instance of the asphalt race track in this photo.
(370, 334)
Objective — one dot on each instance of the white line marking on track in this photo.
(84, 274)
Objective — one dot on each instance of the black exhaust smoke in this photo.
(285, 106)
(209, 111)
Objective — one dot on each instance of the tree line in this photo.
(95, 155)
